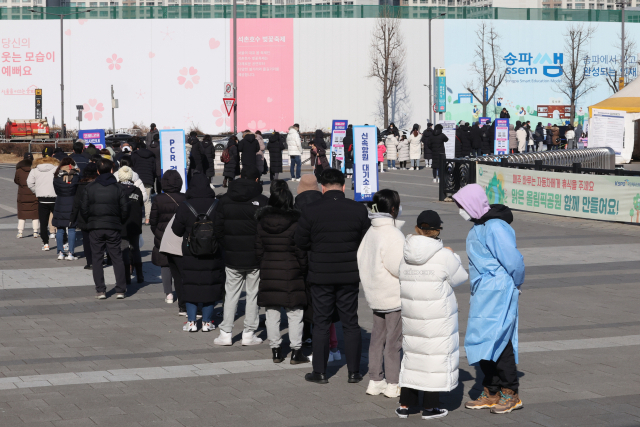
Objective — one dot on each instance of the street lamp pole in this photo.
(622, 58)
(431, 112)
(61, 16)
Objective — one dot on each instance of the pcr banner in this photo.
(365, 159)
(602, 197)
(173, 154)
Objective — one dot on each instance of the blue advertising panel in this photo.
(501, 139)
(365, 159)
(441, 90)
(93, 136)
(173, 153)
(338, 132)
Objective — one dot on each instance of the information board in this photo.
(93, 136)
(173, 154)
(365, 159)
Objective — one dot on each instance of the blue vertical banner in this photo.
(338, 132)
(173, 153)
(365, 159)
(501, 138)
(93, 136)
(441, 90)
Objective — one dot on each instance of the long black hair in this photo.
(90, 172)
(318, 140)
(281, 196)
(386, 201)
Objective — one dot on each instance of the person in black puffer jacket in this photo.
(275, 147)
(236, 231)
(347, 144)
(203, 277)
(89, 174)
(436, 145)
(248, 147)
(428, 156)
(282, 271)
(163, 209)
(204, 154)
(154, 147)
(476, 140)
(131, 228)
(462, 135)
(143, 163)
(104, 208)
(65, 183)
(487, 138)
(232, 167)
(331, 230)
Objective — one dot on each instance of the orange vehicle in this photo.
(26, 129)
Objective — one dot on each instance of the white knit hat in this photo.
(125, 174)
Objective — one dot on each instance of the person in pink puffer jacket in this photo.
(381, 150)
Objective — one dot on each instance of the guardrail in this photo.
(456, 173)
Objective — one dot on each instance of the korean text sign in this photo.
(93, 136)
(501, 143)
(172, 153)
(602, 197)
(449, 129)
(441, 90)
(338, 132)
(365, 159)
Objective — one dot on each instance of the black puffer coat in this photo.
(204, 154)
(104, 205)
(331, 230)
(425, 143)
(81, 161)
(305, 198)
(275, 147)
(236, 223)
(283, 266)
(476, 137)
(463, 141)
(162, 210)
(132, 227)
(203, 278)
(154, 147)
(347, 144)
(487, 139)
(77, 202)
(436, 145)
(66, 186)
(232, 167)
(143, 162)
(248, 147)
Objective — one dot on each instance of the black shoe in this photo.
(277, 355)
(297, 357)
(315, 377)
(402, 412)
(355, 377)
(434, 413)
(88, 267)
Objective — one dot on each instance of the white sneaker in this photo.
(438, 179)
(192, 326)
(223, 339)
(19, 235)
(435, 180)
(392, 390)
(209, 326)
(36, 235)
(60, 256)
(52, 236)
(45, 247)
(185, 327)
(381, 171)
(249, 338)
(65, 247)
(335, 355)
(376, 387)
(169, 299)
(71, 257)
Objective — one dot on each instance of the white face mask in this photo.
(465, 215)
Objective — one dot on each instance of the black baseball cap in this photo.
(431, 218)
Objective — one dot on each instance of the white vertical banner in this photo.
(449, 129)
(365, 162)
(173, 154)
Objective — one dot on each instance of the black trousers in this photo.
(158, 184)
(44, 211)
(501, 374)
(410, 397)
(344, 299)
(177, 277)
(86, 244)
(109, 240)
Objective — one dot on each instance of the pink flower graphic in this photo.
(188, 77)
(114, 62)
(88, 114)
(261, 126)
(222, 118)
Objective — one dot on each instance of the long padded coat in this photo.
(163, 209)
(27, 201)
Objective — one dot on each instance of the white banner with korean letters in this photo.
(365, 159)
(602, 197)
(172, 153)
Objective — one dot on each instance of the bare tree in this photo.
(629, 51)
(488, 66)
(574, 82)
(387, 56)
(399, 105)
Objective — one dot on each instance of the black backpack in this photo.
(201, 240)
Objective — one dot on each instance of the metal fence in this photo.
(456, 173)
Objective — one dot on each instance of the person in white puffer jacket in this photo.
(428, 273)
(379, 256)
(294, 147)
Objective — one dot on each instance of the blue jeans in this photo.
(71, 231)
(391, 163)
(296, 162)
(415, 163)
(192, 309)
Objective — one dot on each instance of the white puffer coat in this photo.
(428, 274)
(391, 142)
(415, 147)
(40, 179)
(403, 151)
(294, 144)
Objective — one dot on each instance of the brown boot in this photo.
(509, 401)
(224, 182)
(484, 401)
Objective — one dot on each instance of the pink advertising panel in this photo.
(265, 74)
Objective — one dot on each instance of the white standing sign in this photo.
(449, 129)
(173, 154)
(365, 159)
(607, 129)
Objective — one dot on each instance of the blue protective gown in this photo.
(496, 270)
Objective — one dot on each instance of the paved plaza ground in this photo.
(67, 360)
